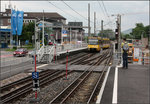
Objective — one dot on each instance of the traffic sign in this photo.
(35, 84)
(35, 75)
(64, 33)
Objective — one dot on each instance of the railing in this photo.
(49, 50)
(46, 53)
(40, 53)
(65, 47)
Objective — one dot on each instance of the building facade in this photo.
(52, 17)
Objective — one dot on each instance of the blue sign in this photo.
(35, 75)
(64, 32)
(14, 22)
(5, 30)
(20, 22)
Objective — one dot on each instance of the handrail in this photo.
(40, 53)
(49, 50)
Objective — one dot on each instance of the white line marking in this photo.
(115, 89)
(102, 88)
(21, 67)
(41, 66)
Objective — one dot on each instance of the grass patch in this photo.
(10, 49)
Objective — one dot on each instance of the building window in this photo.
(9, 14)
(4, 14)
(9, 21)
(25, 15)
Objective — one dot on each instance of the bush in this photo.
(14, 48)
(10, 49)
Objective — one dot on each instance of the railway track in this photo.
(82, 89)
(24, 86)
(27, 87)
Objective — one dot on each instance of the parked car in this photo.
(20, 52)
(50, 42)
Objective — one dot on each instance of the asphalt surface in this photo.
(133, 85)
(11, 70)
(7, 59)
(10, 65)
(108, 91)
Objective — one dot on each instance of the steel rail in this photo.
(73, 85)
(28, 78)
(99, 80)
(28, 87)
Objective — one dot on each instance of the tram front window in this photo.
(93, 42)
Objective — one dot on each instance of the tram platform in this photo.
(127, 86)
(70, 50)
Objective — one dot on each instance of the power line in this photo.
(109, 22)
(101, 7)
(62, 10)
(105, 9)
(75, 11)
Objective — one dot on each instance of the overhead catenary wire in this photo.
(105, 9)
(76, 11)
(106, 14)
(62, 10)
(101, 7)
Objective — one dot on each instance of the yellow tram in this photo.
(106, 43)
(94, 43)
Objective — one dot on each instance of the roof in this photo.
(33, 15)
(51, 15)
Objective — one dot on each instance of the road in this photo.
(11, 65)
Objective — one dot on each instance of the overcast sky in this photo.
(134, 11)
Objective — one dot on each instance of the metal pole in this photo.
(95, 23)
(120, 35)
(35, 36)
(102, 28)
(43, 30)
(89, 29)
(11, 40)
(81, 38)
(17, 41)
(61, 34)
(76, 36)
(70, 35)
(57, 36)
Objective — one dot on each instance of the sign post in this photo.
(55, 54)
(35, 77)
(66, 62)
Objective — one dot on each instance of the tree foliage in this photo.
(109, 33)
(137, 32)
(27, 32)
(140, 30)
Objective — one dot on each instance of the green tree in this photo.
(139, 30)
(27, 32)
(109, 33)
(146, 30)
